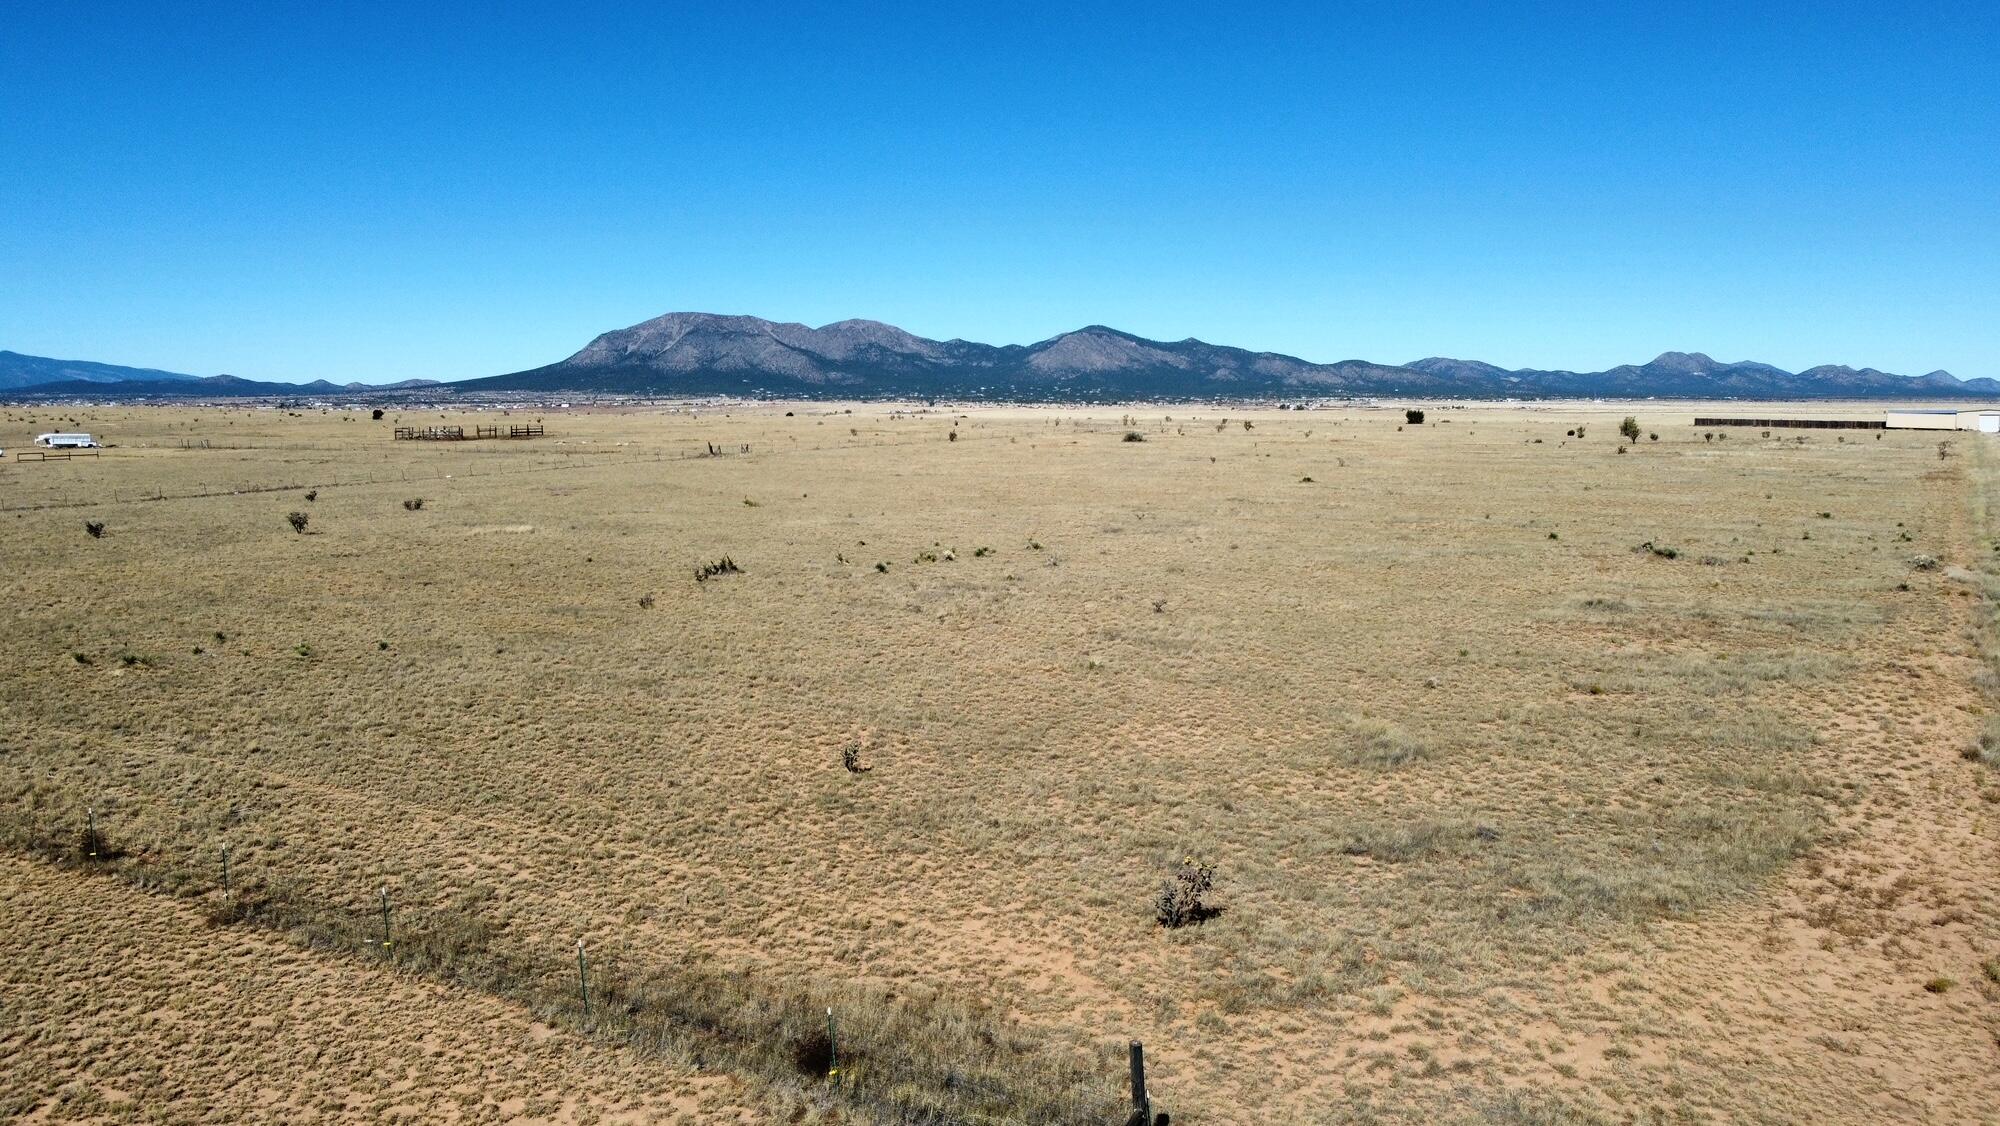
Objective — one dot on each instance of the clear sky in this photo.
(378, 192)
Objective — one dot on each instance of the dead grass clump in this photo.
(1689, 860)
(1416, 840)
(1381, 745)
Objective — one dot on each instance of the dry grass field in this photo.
(1543, 782)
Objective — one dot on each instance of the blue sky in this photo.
(379, 192)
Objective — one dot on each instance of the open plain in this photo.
(1545, 778)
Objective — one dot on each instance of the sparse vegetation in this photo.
(414, 504)
(94, 527)
(722, 566)
(1413, 417)
(1447, 763)
(298, 521)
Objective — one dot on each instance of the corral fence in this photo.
(1797, 423)
(52, 455)
(458, 434)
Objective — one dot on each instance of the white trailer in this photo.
(66, 441)
(1925, 419)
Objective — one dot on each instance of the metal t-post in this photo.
(1140, 1102)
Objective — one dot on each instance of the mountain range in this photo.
(700, 355)
(45, 378)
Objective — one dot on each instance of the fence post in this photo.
(385, 920)
(1142, 1106)
(225, 873)
(583, 981)
(90, 831)
(832, 1049)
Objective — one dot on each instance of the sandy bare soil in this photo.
(1543, 782)
(119, 1006)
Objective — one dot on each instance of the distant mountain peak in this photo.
(1684, 361)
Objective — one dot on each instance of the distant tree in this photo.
(1413, 417)
(1629, 428)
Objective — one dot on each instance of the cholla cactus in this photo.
(1180, 899)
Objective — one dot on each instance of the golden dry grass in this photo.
(1512, 819)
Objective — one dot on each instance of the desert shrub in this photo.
(95, 528)
(882, 568)
(1629, 428)
(1939, 985)
(981, 552)
(645, 602)
(1659, 549)
(952, 437)
(1413, 417)
(413, 504)
(850, 757)
(1134, 436)
(298, 521)
(1652, 436)
(1181, 900)
(80, 658)
(375, 415)
(1923, 563)
(312, 495)
(722, 566)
